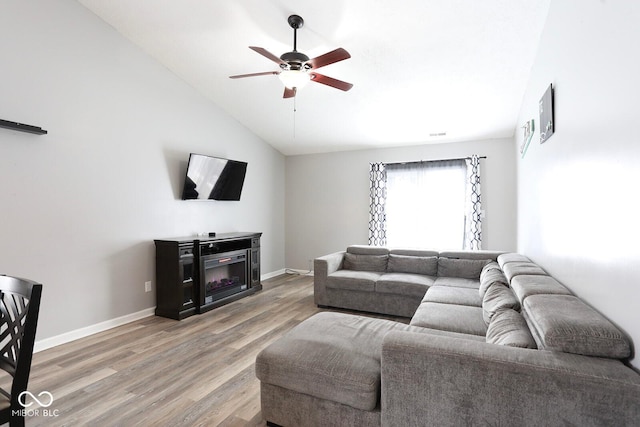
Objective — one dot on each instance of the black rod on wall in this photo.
(436, 160)
(22, 127)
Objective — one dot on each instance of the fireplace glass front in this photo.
(224, 275)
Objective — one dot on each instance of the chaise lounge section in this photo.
(492, 340)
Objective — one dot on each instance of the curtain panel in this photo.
(473, 217)
(378, 198)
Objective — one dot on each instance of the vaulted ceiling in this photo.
(424, 71)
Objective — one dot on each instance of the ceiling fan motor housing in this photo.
(295, 61)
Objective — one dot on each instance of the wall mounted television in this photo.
(213, 178)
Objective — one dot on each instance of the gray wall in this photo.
(80, 207)
(327, 202)
(578, 192)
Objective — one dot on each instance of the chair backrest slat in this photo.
(19, 308)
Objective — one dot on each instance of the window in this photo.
(434, 204)
(425, 204)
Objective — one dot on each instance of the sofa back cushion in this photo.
(414, 252)
(490, 274)
(565, 323)
(511, 257)
(508, 327)
(513, 269)
(367, 250)
(498, 297)
(463, 268)
(526, 285)
(365, 262)
(413, 264)
(483, 254)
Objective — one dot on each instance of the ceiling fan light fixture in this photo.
(296, 69)
(294, 78)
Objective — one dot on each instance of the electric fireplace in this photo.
(195, 275)
(223, 275)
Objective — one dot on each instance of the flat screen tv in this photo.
(213, 178)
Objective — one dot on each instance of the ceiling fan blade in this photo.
(265, 73)
(330, 81)
(289, 93)
(329, 58)
(267, 54)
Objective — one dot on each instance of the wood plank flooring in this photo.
(162, 372)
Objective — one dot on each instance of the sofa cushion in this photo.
(527, 285)
(414, 252)
(512, 269)
(464, 319)
(565, 323)
(511, 257)
(331, 356)
(457, 282)
(365, 262)
(353, 280)
(457, 335)
(509, 328)
(480, 255)
(413, 285)
(367, 250)
(498, 297)
(491, 273)
(413, 264)
(463, 268)
(453, 295)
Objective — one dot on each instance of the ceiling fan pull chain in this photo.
(294, 119)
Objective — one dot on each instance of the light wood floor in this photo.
(162, 372)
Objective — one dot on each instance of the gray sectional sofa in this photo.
(391, 281)
(492, 340)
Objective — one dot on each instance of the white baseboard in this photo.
(46, 343)
(90, 330)
(272, 274)
(285, 271)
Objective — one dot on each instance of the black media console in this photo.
(195, 275)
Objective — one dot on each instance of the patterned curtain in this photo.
(378, 197)
(473, 217)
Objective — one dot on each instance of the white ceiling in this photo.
(419, 67)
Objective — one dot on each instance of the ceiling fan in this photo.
(296, 69)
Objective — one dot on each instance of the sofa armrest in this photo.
(322, 267)
(437, 380)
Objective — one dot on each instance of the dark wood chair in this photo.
(19, 307)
